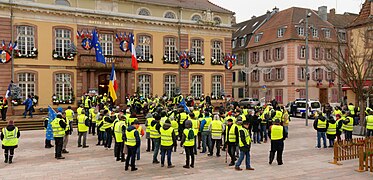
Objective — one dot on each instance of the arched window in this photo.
(62, 2)
(197, 88)
(145, 44)
(217, 20)
(63, 41)
(26, 81)
(216, 86)
(144, 12)
(196, 18)
(63, 88)
(170, 15)
(26, 39)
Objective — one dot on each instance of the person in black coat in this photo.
(7, 149)
(255, 123)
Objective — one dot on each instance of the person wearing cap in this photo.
(205, 132)
(150, 143)
(244, 146)
(58, 125)
(188, 140)
(277, 136)
(3, 107)
(155, 136)
(119, 131)
(83, 125)
(168, 139)
(132, 140)
(216, 128)
(231, 140)
(9, 138)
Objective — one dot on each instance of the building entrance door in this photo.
(103, 82)
(323, 96)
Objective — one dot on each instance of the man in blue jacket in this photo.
(28, 106)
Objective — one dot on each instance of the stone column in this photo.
(92, 79)
(122, 87)
(85, 81)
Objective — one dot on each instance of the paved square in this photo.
(301, 161)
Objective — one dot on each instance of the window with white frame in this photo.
(255, 57)
(255, 76)
(170, 15)
(301, 73)
(216, 86)
(330, 75)
(280, 32)
(63, 88)
(300, 31)
(258, 37)
(144, 84)
(170, 85)
(278, 53)
(63, 41)
(107, 44)
(318, 74)
(328, 54)
(279, 74)
(342, 36)
(317, 53)
(144, 43)
(242, 58)
(234, 44)
(243, 40)
(327, 33)
(26, 39)
(197, 49)
(302, 53)
(26, 81)
(197, 86)
(315, 32)
(216, 50)
(170, 48)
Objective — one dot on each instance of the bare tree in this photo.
(351, 61)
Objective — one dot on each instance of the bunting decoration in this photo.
(319, 83)
(184, 60)
(86, 39)
(229, 60)
(123, 40)
(331, 83)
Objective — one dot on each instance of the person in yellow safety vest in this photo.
(245, 111)
(351, 108)
(3, 107)
(188, 140)
(155, 136)
(369, 124)
(367, 109)
(132, 118)
(244, 146)
(216, 128)
(164, 118)
(119, 130)
(106, 124)
(339, 129)
(101, 131)
(93, 120)
(104, 98)
(87, 104)
(115, 118)
(277, 114)
(230, 115)
(58, 125)
(337, 110)
(231, 140)
(265, 115)
(132, 140)
(9, 138)
(68, 132)
(285, 119)
(277, 136)
(320, 124)
(196, 113)
(83, 125)
(195, 125)
(148, 121)
(239, 123)
(175, 126)
(348, 126)
(331, 131)
(168, 140)
(205, 132)
(182, 116)
(79, 110)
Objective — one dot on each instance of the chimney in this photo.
(323, 13)
(253, 17)
(332, 11)
(276, 9)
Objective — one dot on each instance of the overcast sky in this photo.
(245, 9)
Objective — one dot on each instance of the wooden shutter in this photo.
(322, 54)
(314, 53)
(313, 76)
(282, 53)
(299, 49)
(299, 72)
(282, 74)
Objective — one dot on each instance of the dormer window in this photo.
(300, 31)
(281, 32)
(243, 40)
(315, 32)
(258, 37)
(327, 33)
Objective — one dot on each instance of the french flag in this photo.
(8, 92)
(135, 65)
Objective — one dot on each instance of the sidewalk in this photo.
(301, 161)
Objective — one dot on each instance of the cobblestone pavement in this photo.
(301, 161)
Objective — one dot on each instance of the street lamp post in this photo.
(307, 70)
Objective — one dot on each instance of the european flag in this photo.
(51, 116)
(96, 44)
(183, 104)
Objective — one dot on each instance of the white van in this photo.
(314, 105)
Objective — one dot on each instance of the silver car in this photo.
(249, 102)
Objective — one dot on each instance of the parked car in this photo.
(314, 105)
(249, 102)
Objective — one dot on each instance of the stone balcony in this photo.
(88, 61)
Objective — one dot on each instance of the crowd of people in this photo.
(169, 124)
